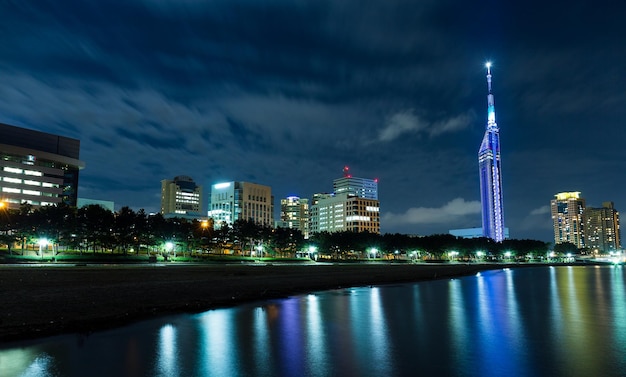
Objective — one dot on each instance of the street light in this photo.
(312, 250)
(373, 252)
(43, 242)
(169, 246)
(259, 250)
(453, 254)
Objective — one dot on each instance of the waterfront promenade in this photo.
(50, 299)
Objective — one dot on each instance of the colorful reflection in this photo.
(557, 321)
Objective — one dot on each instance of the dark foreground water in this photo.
(545, 321)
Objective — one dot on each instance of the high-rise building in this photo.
(353, 206)
(361, 187)
(181, 197)
(602, 228)
(38, 168)
(490, 173)
(294, 214)
(567, 210)
(344, 212)
(232, 201)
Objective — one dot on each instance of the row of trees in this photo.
(95, 229)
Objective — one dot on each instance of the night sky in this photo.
(285, 93)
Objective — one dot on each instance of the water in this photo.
(545, 321)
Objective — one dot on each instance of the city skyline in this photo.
(286, 94)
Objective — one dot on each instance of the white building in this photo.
(232, 201)
(361, 187)
(344, 212)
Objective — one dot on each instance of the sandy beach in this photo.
(39, 301)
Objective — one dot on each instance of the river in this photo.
(544, 321)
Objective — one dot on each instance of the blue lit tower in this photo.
(490, 173)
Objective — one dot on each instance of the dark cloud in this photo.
(286, 93)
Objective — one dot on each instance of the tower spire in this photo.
(490, 174)
(491, 108)
(488, 65)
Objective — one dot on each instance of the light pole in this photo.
(169, 246)
(312, 250)
(452, 254)
(480, 255)
(43, 242)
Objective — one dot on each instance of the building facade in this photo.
(232, 201)
(181, 197)
(344, 212)
(567, 210)
(361, 187)
(294, 214)
(490, 173)
(38, 168)
(602, 232)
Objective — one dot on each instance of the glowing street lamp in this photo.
(43, 242)
(259, 250)
(312, 250)
(169, 246)
(373, 252)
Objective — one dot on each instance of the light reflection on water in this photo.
(557, 321)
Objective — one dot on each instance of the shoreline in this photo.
(47, 300)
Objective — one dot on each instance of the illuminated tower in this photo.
(490, 173)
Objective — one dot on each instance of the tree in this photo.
(125, 228)
(565, 247)
(95, 226)
(8, 234)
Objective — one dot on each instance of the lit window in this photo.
(31, 192)
(32, 172)
(12, 170)
(13, 190)
(12, 180)
(31, 183)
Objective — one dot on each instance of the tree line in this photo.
(95, 229)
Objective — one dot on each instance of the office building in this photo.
(361, 187)
(181, 197)
(38, 168)
(567, 218)
(344, 212)
(602, 233)
(490, 173)
(294, 214)
(232, 201)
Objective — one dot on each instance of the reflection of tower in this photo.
(490, 173)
